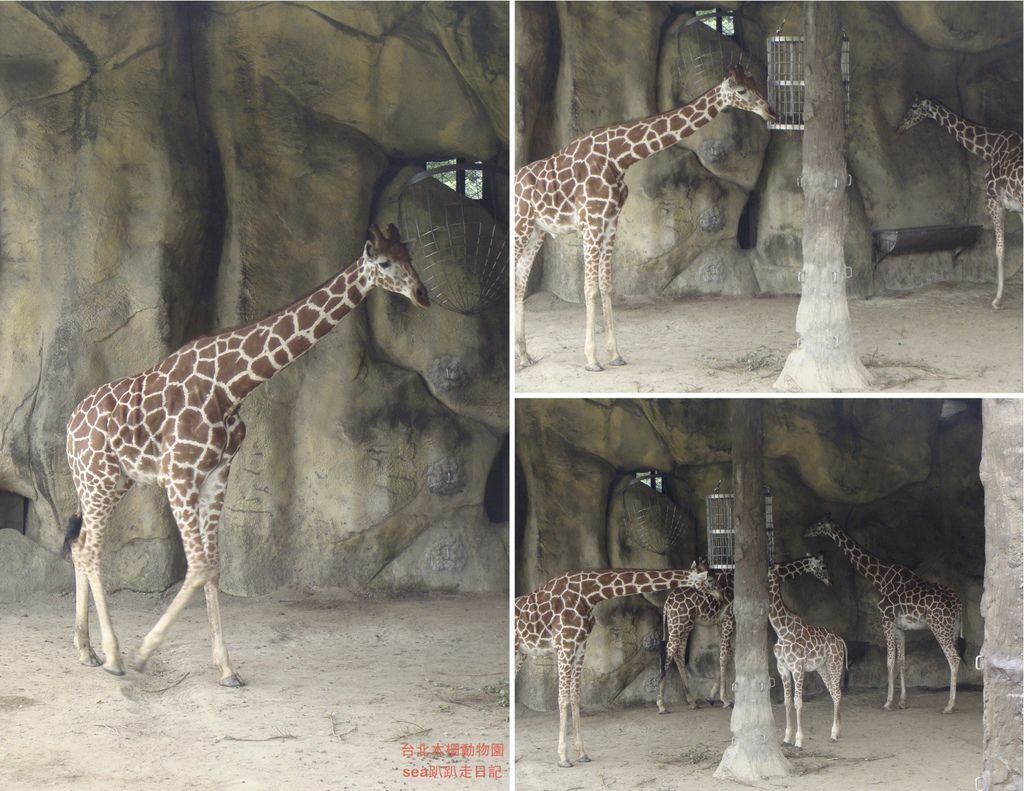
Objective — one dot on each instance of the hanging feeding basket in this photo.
(703, 57)
(459, 250)
(722, 530)
(652, 520)
(786, 80)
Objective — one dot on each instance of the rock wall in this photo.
(721, 213)
(175, 169)
(902, 476)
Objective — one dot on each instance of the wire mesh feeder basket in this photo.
(652, 520)
(459, 250)
(703, 58)
(786, 82)
(722, 530)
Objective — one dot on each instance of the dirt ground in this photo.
(335, 687)
(636, 748)
(945, 338)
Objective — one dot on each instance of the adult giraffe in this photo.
(176, 425)
(906, 602)
(1003, 151)
(581, 188)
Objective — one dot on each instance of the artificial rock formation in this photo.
(901, 476)
(173, 170)
(580, 68)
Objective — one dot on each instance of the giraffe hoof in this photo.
(565, 764)
(726, 704)
(114, 670)
(90, 661)
(887, 706)
(525, 361)
(232, 681)
(947, 710)
(617, 361)
(902, 704)
(786, 744)
(594, 367)
(997, 304)
(583, 759)
(138, 664)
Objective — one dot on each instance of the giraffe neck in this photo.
(967, 133)
(870, 567)
(628, 583)
(251, 354)
(655, 133)
(778, 614)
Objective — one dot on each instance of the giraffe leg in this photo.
(889, 629)
(211, 502)
(947, 641)
(564, 679)
(591, 260)
(724, 654)
(574, 696)
(184, 501)
(995, 211)
(787, 691)
(901, 662)
(832, 675)
(605, 283)
(528, 239)
(85, 653)
(798, 704)
(670, 657)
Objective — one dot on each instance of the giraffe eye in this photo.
(385, 264)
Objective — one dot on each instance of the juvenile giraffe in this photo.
(1000, 148)
(582, 188)
(176, 425)
(907, 602)
(684, 609)
(802, 648)
(558, 617)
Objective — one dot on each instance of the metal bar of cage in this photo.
(722, 531)
(786, 85)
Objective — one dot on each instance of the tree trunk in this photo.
(755, 752)
(825, 359)
(1002, 605)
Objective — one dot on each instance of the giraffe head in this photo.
(387, 264)
(826, 528)
(740, 91)
(703, 581)
(919, 110)
(816, 566)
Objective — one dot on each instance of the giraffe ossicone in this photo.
(1001, 148)
(581, 188)
(558, 618)
(176, 425)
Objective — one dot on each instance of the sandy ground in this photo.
(944, 338)
(335, 688)
(917, 748)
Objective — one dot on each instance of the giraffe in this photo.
(581, 188)
(801, 647)
(1000, 148)
(907, 602)
(558, 617)
(684, 609)
(177, 425)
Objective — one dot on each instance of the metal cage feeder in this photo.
(722, 530)
(703, 58)
(786, 82)
(652, 520)
(460, 251)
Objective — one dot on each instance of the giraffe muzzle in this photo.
(422, 298)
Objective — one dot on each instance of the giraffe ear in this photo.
(375, 235)
(393, 233)
(370, 250)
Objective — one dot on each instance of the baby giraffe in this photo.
(559, 616)
(802, 647)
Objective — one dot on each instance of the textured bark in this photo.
(1002, 605)
(755, 752)
(825, 359)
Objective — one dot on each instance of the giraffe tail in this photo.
(71, 534)
(663, 646)
(846, 667)
(961, 643)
